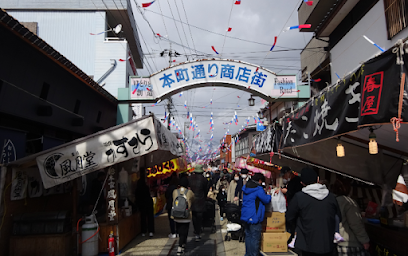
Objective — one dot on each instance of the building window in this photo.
(396, 16)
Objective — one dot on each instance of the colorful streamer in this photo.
(214, 50)
(185, 104)
(147, 4)
(298, 26)
(310, 3)
(316, 80)
(229, 29)
(376, 45)
(181, 94)
(238, 2)
(273, 46)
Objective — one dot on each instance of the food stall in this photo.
(157, 176)
(355, 128)
(50, 188)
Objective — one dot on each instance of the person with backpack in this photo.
(169, 202)
(183, 199)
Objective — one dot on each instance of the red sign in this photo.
(370, 100)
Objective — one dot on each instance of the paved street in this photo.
(211, 244)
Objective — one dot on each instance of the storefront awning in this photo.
(105, 148)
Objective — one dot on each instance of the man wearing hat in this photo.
(314, 210)
(198, 184)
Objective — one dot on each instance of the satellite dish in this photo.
(118, 28)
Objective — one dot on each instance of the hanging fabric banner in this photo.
(355, 101)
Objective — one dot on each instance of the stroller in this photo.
(235, 230)
(209, 215)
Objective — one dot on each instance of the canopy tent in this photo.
(123, 142)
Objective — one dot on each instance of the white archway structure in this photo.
(216, 72)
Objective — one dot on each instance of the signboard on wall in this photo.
(140, 88)
(113, 146)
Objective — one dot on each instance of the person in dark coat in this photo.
(215, 177)
(198, 184)
(144, 202)
(169, 202)
(222, 200)
(241, 183)
(314, 210)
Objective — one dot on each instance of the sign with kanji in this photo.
(140, 88)
(227, 72)
(359, 99)
(111, 196)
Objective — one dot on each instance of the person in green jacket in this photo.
(356, 240)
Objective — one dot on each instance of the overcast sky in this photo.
(254, 25)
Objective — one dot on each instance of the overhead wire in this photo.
(185, 14)
(184, 31)
(226, 31)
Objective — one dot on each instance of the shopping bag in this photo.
(278, 202)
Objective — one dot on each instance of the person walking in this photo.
(356, 240)
(169, 202)
(253, 212)
(222, 201)
(241, 183)
(232, 195)
(183, 223)
(144, 202)
(198, 184)
(314, 210)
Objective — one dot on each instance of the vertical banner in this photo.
(380, 90)
(35, 186)
(18, 184)
(111, 197)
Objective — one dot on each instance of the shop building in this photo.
(83, 32)
(338, 46)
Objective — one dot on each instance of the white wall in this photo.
(353, 49)
(69, 33)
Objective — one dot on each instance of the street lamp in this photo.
(251, 101)
(260, 114)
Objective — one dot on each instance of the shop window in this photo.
(396, 16)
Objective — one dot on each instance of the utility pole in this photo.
(169, 102)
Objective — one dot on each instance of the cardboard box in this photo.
(275, 242)
(274, 222)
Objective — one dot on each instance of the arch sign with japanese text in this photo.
(215, 72)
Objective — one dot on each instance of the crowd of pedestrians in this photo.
(321, 221)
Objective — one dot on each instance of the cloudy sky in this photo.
(198, 25)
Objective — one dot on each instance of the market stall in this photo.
(354, 128)
(58, 182)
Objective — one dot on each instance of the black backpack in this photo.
(180, 206)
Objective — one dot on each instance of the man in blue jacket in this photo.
(253, 212)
